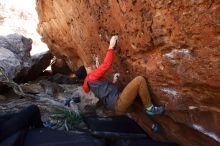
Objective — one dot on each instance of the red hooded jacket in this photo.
(99, 73)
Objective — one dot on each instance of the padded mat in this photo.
(49, 137)
(115, 126)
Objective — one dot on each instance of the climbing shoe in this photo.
(155, 127)
(154, 110)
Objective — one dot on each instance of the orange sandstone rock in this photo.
(174, 44)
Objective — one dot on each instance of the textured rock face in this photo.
(174, 44)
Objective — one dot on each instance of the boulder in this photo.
(16, 61)
(2, 98)
(174, 44)
(15, 55)
(62, 79)
(39, 63)
(59, 93)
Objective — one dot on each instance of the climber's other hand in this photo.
(115, 78)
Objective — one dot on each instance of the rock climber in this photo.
(108, 92)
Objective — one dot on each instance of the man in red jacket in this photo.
(109, 93)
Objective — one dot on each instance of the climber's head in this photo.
(81, 72)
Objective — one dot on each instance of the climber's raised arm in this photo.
(98, 73)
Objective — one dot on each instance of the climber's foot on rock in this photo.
(155, 127)
(154, 110)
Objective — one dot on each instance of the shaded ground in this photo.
(50, 98)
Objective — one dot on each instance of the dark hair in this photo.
(81, 72)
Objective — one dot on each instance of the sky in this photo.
(20, 16)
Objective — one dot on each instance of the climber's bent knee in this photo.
(139, 78)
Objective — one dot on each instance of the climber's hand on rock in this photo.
(113, 42)
(115, 78)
